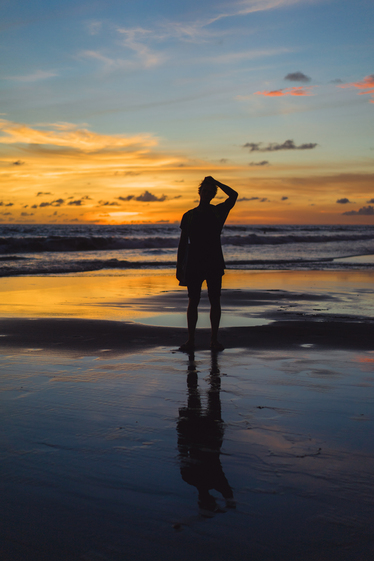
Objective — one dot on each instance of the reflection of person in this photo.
(200, 256)
(200, 436)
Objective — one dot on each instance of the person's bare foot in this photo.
(187, 347)
(216, 346)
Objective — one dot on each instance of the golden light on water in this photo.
(92, 297)
(125, 295)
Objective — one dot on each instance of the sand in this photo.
(108, 431)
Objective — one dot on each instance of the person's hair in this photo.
(207, 181)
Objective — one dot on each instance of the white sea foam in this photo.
(59, 249)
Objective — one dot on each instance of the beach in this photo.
(147, 148)
(116, 445)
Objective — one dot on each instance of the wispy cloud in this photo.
(109, 62)
(295, 90)
(201, 29)
(275, 146)
(34, 77)
(366, 86)
(144, 59)
(230, 58)
(140, 41)
(94, 27)
(134, 39)
(191, 32)
(73, 137)
(250, 6)
(343, 201)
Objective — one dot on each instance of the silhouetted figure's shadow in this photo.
(200, 436)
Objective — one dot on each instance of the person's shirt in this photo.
(203, 227)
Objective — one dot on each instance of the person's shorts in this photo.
(214, 284)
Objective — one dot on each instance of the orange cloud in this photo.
(366, 86)
(79, 168)
(296, 90)
(365, 359)
(69, 135)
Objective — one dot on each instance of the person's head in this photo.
(207, 189)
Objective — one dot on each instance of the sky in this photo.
(113, 111)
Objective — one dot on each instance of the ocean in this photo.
(62, 249)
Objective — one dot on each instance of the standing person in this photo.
(200, 256)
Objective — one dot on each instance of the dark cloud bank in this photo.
(364, 211)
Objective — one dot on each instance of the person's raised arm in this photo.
(233, 195)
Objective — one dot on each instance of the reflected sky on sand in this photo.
(142, 456)
(140, 294)
(180, 320)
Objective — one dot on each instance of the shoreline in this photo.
(94, 337)
(140, 311)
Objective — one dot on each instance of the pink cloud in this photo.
(296, 90)
(366, 86)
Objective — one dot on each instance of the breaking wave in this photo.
(63, 249)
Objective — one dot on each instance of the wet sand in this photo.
(117, 446)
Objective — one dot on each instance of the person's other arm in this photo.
(181, 256)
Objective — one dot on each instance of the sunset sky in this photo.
(113, 111)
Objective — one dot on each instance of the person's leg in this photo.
(192, 315)
(214, 293)
(194, 291)
(215, 317)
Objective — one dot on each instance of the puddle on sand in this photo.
(180, 320)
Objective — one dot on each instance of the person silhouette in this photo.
(200, 437)
(200, 256)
